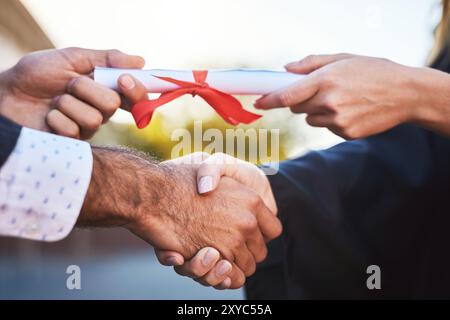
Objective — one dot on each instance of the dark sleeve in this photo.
(9, 133)
(380, 200)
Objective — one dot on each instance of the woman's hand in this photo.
(353, 96)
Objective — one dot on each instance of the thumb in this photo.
(169, 258)
(118, 59)
(219, 164)
(314, 62)
(84, 60)
(212, 169)
(132, 89)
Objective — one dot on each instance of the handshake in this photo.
(209, 216)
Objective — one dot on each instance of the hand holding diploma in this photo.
(56, 85)
(356, 96)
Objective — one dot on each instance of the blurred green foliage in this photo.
(156, 139)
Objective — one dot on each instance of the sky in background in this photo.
(232, 33)
(181, 34)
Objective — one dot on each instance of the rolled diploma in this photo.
(237, 81)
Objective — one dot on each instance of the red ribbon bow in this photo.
(227, 106)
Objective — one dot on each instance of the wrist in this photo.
(4, 84)
(429, 98)
(119, 190)
(409, 96)
(160, 202)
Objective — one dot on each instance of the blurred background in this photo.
(187, 34)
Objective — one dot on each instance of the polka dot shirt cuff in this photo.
(42, 186)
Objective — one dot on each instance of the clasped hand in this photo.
(215, 234)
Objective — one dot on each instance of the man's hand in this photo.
(52, 90)
(160, 204)
(207, 265)
(210, 267)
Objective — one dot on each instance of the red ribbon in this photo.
(227, 106)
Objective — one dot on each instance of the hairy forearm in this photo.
(123, 184)
(152, 200)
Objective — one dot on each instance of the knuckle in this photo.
(196, 271)
(179, 270)
(328, 80)
(93, 121)
(76, 83)
(262, 255)
(221, 155)
(286, 98)
(343, 55)
(86, 135)
(249, 267)
(114, 51)
(50, 115)
(341, 123)
(249, 222)
(201, 155)
(197, 158)
(65, 100)
(275, 230)
(343, 127)
(236, 243)
(221, 158)
(238, 282)
(349, 134)
(310, 120)
(112, 102)
(310, 59)
(72, 131)
(22, 63)
(210, 280)
(254, 201)
(72, 52)
(73, 49)
(111, 56)
(383, 59)
(296, 108)
(215, 158)
(202, 166)
(278, 229)
(330, 102)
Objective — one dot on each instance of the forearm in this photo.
(123, 184)
(150, 199)
(3, 89)
(431, 100)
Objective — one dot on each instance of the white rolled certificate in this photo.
(237, 81)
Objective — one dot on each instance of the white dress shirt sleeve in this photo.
(42, 186)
